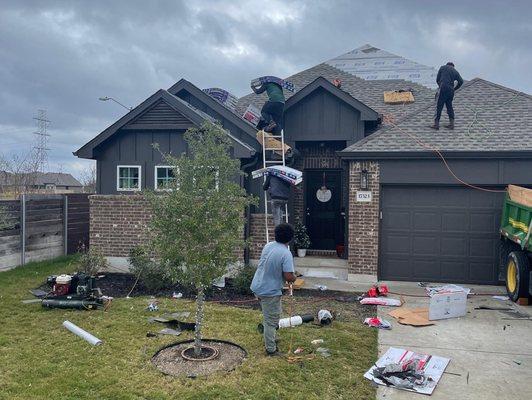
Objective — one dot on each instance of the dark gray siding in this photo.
(322, 116)
(135, 148)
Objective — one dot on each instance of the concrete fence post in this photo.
(22, 229)
(65, 223)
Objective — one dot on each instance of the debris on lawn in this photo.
(381, 301)
(446, 289)
(177, 295)
(173, 321)
(153, 305)
(317, 341)
(38, 292)
(325, 317)
(169, 331)
(296, 320)
(407, 370)
(377, 291)
(377, 322)
(412, 316)
(323, 351)
(447, 305)
(299, 350)
(502, 298)
(321, 288)
(76, 330)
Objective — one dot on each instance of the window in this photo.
(128, 177)
(164, 176)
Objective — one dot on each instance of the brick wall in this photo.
(118, 223)
(363, 221)
(257, 232)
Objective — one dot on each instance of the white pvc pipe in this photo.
(76, 330)
(290, 322)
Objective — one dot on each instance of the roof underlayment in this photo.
(370, 63)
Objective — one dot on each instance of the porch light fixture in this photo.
(364, 179)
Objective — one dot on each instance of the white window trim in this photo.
(155, 178)
(118, 178)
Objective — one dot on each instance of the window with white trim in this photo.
(128, 177)
(164, 177)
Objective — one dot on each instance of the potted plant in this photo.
(301, 239)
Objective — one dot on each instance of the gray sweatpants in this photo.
(271, 312)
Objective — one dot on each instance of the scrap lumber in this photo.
(272, 143)
(520, 195)
(398, 97)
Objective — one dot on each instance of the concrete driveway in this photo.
(490, 351)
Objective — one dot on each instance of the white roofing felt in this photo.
(370, 63)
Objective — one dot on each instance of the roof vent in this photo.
(370, 50)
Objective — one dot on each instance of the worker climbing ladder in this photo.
(273, 153)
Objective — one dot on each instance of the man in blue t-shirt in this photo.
(276, 265)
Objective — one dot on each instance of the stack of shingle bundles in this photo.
(290, 175)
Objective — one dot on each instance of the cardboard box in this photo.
(447, 305)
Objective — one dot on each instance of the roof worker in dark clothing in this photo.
(279, 191)
(447, 75)
(272, 111)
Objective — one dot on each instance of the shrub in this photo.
(301, 238)
(151, 273)
(242, 279)
(91, 260)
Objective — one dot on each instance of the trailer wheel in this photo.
(517, 275)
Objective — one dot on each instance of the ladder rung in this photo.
(273, 148)
(274, 136)
(274, 162)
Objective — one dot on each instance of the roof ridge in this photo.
(508, 89)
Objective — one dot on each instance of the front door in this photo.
(323, 208)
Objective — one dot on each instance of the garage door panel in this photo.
(398, 219)
(397, 244)
(481, 272)
(425, 268)
(439, 234)
(454, 221)
(425, 245)
(453, 246)
(397, 268)
(454, 271)
(427, 221)
(482, 222)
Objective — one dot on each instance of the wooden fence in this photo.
(41, 227)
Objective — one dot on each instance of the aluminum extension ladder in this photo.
(269, 158)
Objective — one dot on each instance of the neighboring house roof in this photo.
(371, 93)
(370, 63)
(489, 119)
(191, 113)
(367, 113)
(38, 179)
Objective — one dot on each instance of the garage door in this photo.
(440, 234)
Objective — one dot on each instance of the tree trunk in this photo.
(199, 320)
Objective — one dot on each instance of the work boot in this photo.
(271, 127)
(436, 125)
(451, 124)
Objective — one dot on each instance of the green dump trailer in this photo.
(516, 246)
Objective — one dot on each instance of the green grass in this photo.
(39, 359)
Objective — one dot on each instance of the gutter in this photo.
(401, 155)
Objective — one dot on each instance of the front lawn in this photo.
(39, 359)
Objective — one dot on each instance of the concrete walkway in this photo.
(490, 351)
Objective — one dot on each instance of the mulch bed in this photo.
(343, 305)
(169, 360)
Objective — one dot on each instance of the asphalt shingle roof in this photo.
(368, 92)
(41, 179)
(489, 117)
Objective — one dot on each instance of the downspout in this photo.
(247, 226)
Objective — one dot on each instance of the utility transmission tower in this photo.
(40, 147)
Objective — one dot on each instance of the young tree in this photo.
(198, 222)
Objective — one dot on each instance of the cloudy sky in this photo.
(63, 55)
